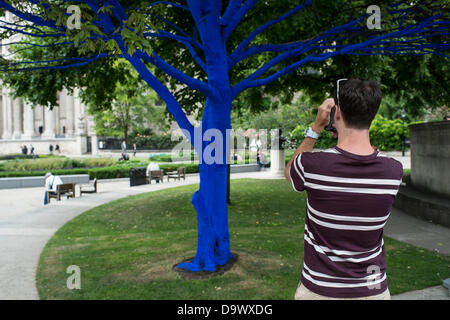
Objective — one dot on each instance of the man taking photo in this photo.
(351, 188)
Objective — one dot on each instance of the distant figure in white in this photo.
(152, 167)
(51, 183)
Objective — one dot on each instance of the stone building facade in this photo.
(21, 123)
(67, 125)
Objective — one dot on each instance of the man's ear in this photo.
(337, 114)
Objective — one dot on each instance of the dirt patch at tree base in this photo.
(195, 275)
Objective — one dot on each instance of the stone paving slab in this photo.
(433, 293)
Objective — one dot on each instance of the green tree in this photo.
(135, 107)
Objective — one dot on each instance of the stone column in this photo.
(28, 121)
(57, 125)
(94, 144)
(49, 124)
(38, 118)
(6, 115)
(80, 124)
(17, 114)
(93, 134)
(70, 118)
(277, 163)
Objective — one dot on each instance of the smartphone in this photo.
(330, 127)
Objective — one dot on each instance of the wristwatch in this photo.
(310, 133)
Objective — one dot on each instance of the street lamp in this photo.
(403, 115)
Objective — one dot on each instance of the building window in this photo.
(41, 129)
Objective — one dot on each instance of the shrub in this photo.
(155, 142)
(100, 173)
(297, 135)
(47, 164)
(41, 164)
(161, 157)
(385, 134)
(16, 156)
(97, 162)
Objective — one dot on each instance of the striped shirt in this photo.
(349, 201)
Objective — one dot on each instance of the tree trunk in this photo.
(228, 185)
(210, 201)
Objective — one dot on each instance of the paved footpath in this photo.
(26, 225)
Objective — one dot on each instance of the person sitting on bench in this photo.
(51, 183)
(152, 167)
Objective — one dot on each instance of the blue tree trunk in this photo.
(210, 201)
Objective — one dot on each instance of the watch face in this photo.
(309, 132)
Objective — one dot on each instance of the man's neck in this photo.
(355, 141)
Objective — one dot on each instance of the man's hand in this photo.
(334, 134)
(323, 115)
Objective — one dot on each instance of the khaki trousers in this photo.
(304, 293)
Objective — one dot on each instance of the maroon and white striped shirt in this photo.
(349, 201)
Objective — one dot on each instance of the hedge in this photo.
(56, 164)
(155, 142)
(99, 173)
(17, 156)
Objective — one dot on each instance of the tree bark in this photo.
(210, 201)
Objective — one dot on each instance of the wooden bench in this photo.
(177, 175)
(89, 188)
(65, 189)
(155, 174)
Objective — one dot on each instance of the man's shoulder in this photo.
(393, 166)
(317, 155)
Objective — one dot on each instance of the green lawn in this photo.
(125, 249)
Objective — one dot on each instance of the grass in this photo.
(126, 248)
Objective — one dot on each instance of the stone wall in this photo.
(430, 157)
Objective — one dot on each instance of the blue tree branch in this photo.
(193, 83)
(268, 24)
(31, 34)
(187, 41)
(237, 18)
(84, 61)
(30, 17)
(160, 63)
(173, 106)
(232, 8)
(404, 34)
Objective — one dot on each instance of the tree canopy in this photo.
(178, 45)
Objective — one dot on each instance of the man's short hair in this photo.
(359, 101)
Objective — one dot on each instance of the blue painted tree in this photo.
(229, 55)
